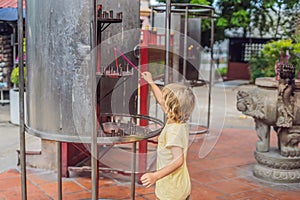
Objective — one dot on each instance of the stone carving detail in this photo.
(288, 141)
(251, 103)
(276, 175)
(285, 102)
(277, 162)
(275, 106)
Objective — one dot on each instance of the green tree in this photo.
(175, 1)
(202, 2)
(233, 14)
(266, 16)
(274, 17)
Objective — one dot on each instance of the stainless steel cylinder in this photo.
(60, 72)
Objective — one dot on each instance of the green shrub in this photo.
(14, 76)
(222, 71)
(259, 67)
(263, 65)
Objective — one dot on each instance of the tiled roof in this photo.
(10, 3)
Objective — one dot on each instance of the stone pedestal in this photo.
(276, 168)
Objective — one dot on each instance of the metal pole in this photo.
(167, 39)
(152, 18)
(211, 66)
(185, 42)
(94, 146)
(13, 43)
(59, 172)
(133, 169)
(21, 100)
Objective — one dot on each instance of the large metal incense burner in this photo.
(83, 90)
(275, 104)
(69, 99)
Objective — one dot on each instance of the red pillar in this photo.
(143, 100)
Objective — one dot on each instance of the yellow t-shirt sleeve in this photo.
(174, 137)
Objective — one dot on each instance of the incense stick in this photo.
(116, 58)
(125, 58)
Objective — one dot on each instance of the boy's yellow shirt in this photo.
(177, 185)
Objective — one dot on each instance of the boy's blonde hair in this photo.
(179, 101)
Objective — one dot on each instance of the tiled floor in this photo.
(225, 173)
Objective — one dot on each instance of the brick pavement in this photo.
(225, 173)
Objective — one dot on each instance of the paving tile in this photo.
(228, 172)
(68, 186)
(286, 195)
(148, 197)
(205, 176)
(42, 178)
(114, 192)
(205, 164)
(10, 195)
(256, 194)
(283, 191)
(230, 161)
(200, 191)
(217, 153)
(193, 157)
(251, 180)
(87, 182)
(237, 160)
(232, 186)
(11, 182)
(218, 163)
(140, 190)
(38, 196)
(10, 173)
(77, 195)
(14, 192)
(195, 144)
(37, 171)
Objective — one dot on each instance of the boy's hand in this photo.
(148, 179)
(148, 77)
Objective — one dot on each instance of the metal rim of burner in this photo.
(67, 137)
(124, 127)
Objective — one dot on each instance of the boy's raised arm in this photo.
(155, 89)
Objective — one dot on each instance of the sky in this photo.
(152, 2)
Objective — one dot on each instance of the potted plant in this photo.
(14, 96)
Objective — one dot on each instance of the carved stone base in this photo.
(276, 168)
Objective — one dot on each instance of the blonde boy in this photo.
(172, 176)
